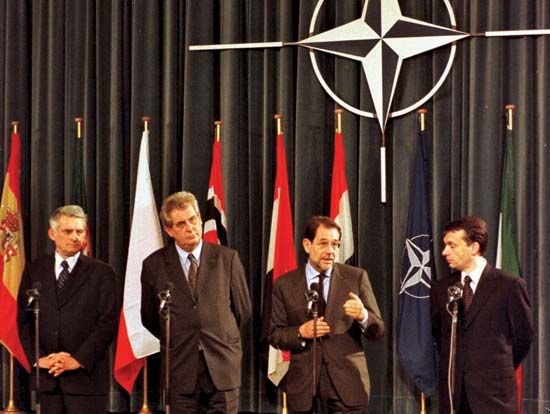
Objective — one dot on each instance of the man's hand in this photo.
(306, 330)
(354, 307)
(46, 362)
(62, 361)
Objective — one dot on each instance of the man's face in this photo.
(459, 255)
(69, 235)
(186, 228)
(322, 250)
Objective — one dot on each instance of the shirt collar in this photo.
(183, 254)
(311, 274)
(70, 260)
(475, 274)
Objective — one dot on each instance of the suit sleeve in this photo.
(240, 297)
(521, 320)
(374, 329)
(93, 349)
(149, 300)
(281, 334)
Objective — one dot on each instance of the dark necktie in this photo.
(468, 293)
(192, 274)
(321, 304)
(64, 275)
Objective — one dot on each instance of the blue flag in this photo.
(415, 344)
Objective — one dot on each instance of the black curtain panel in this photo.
(113, 62)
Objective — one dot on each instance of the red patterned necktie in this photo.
(64, 275)
(192, 274)
(468, 293)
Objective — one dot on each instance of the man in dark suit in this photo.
(77, 319)
(348, 311)
(495, 327)
(210, 305)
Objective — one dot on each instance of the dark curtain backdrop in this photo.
(113, 62)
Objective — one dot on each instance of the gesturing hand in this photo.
(354, 307)
(306, 329)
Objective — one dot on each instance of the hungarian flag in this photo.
(281, 255)
(339, 203)
(415, 345)
(214, 212)
(134, 341)
(12, 246)
(79, 192)
(507, 257)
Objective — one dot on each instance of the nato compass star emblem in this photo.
(381, 39)
(416, 281)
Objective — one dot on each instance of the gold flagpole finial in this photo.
(510, 116)
(78, 121)
(218, 130)
(422, 118)
(339, 112)
(145, 120)
(14, 124)
(279, 119)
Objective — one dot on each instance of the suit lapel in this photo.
(299, 281)
(78, 277)
(209, 257)
(175, 271)
(482, 293)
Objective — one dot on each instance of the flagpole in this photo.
(510, 116)
(422, 120)
(339, 113)
(78, 121)
(279, 121)
(383, 198)
(11, 407)
(145, 405)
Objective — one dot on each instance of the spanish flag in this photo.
(12, 247)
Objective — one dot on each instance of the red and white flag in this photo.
(134, 341)
(12, 247)
(339, 204)
(214, 212)
(282, 255)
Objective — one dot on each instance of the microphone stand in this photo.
(165, 314)
(35, 297)
(315, 313)
(452, 353)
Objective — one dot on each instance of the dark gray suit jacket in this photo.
(341, 349)
(493, 338)
(79, 319)
(215, 318)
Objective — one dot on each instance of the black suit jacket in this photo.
(341, 349)
(79, 319)
(493, 338)
(214, 319)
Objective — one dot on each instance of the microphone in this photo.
(312, 296)
(34, 293)
(454, 292)
(164, 295)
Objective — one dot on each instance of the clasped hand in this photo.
(57, 363)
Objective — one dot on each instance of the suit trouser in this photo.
(206, 398)
(57, 402)
(327, 400)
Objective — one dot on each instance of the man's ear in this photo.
(168, 231)
(475, 248)
(51, 233)
(307, 245)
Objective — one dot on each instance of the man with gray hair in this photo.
(210, 307)
(77, 319)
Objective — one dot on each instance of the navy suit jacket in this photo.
(79, 319)
(493, 338)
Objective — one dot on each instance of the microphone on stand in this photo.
(164, 296)
(312, 296)
(454, 292)
(34, 293)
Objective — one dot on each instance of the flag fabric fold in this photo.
(281, 255)
(415, 344)
(214, 211)
(340, 210)
(12, 246)
(507, 256)
(134, 341)
(79, 192)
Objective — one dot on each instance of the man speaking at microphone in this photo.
(495, 327)
(210, 305)
(348, 311)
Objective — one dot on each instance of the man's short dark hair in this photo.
(475, 229)
(313, 224)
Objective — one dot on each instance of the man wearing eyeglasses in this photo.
(347, 310)
(210, 305)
